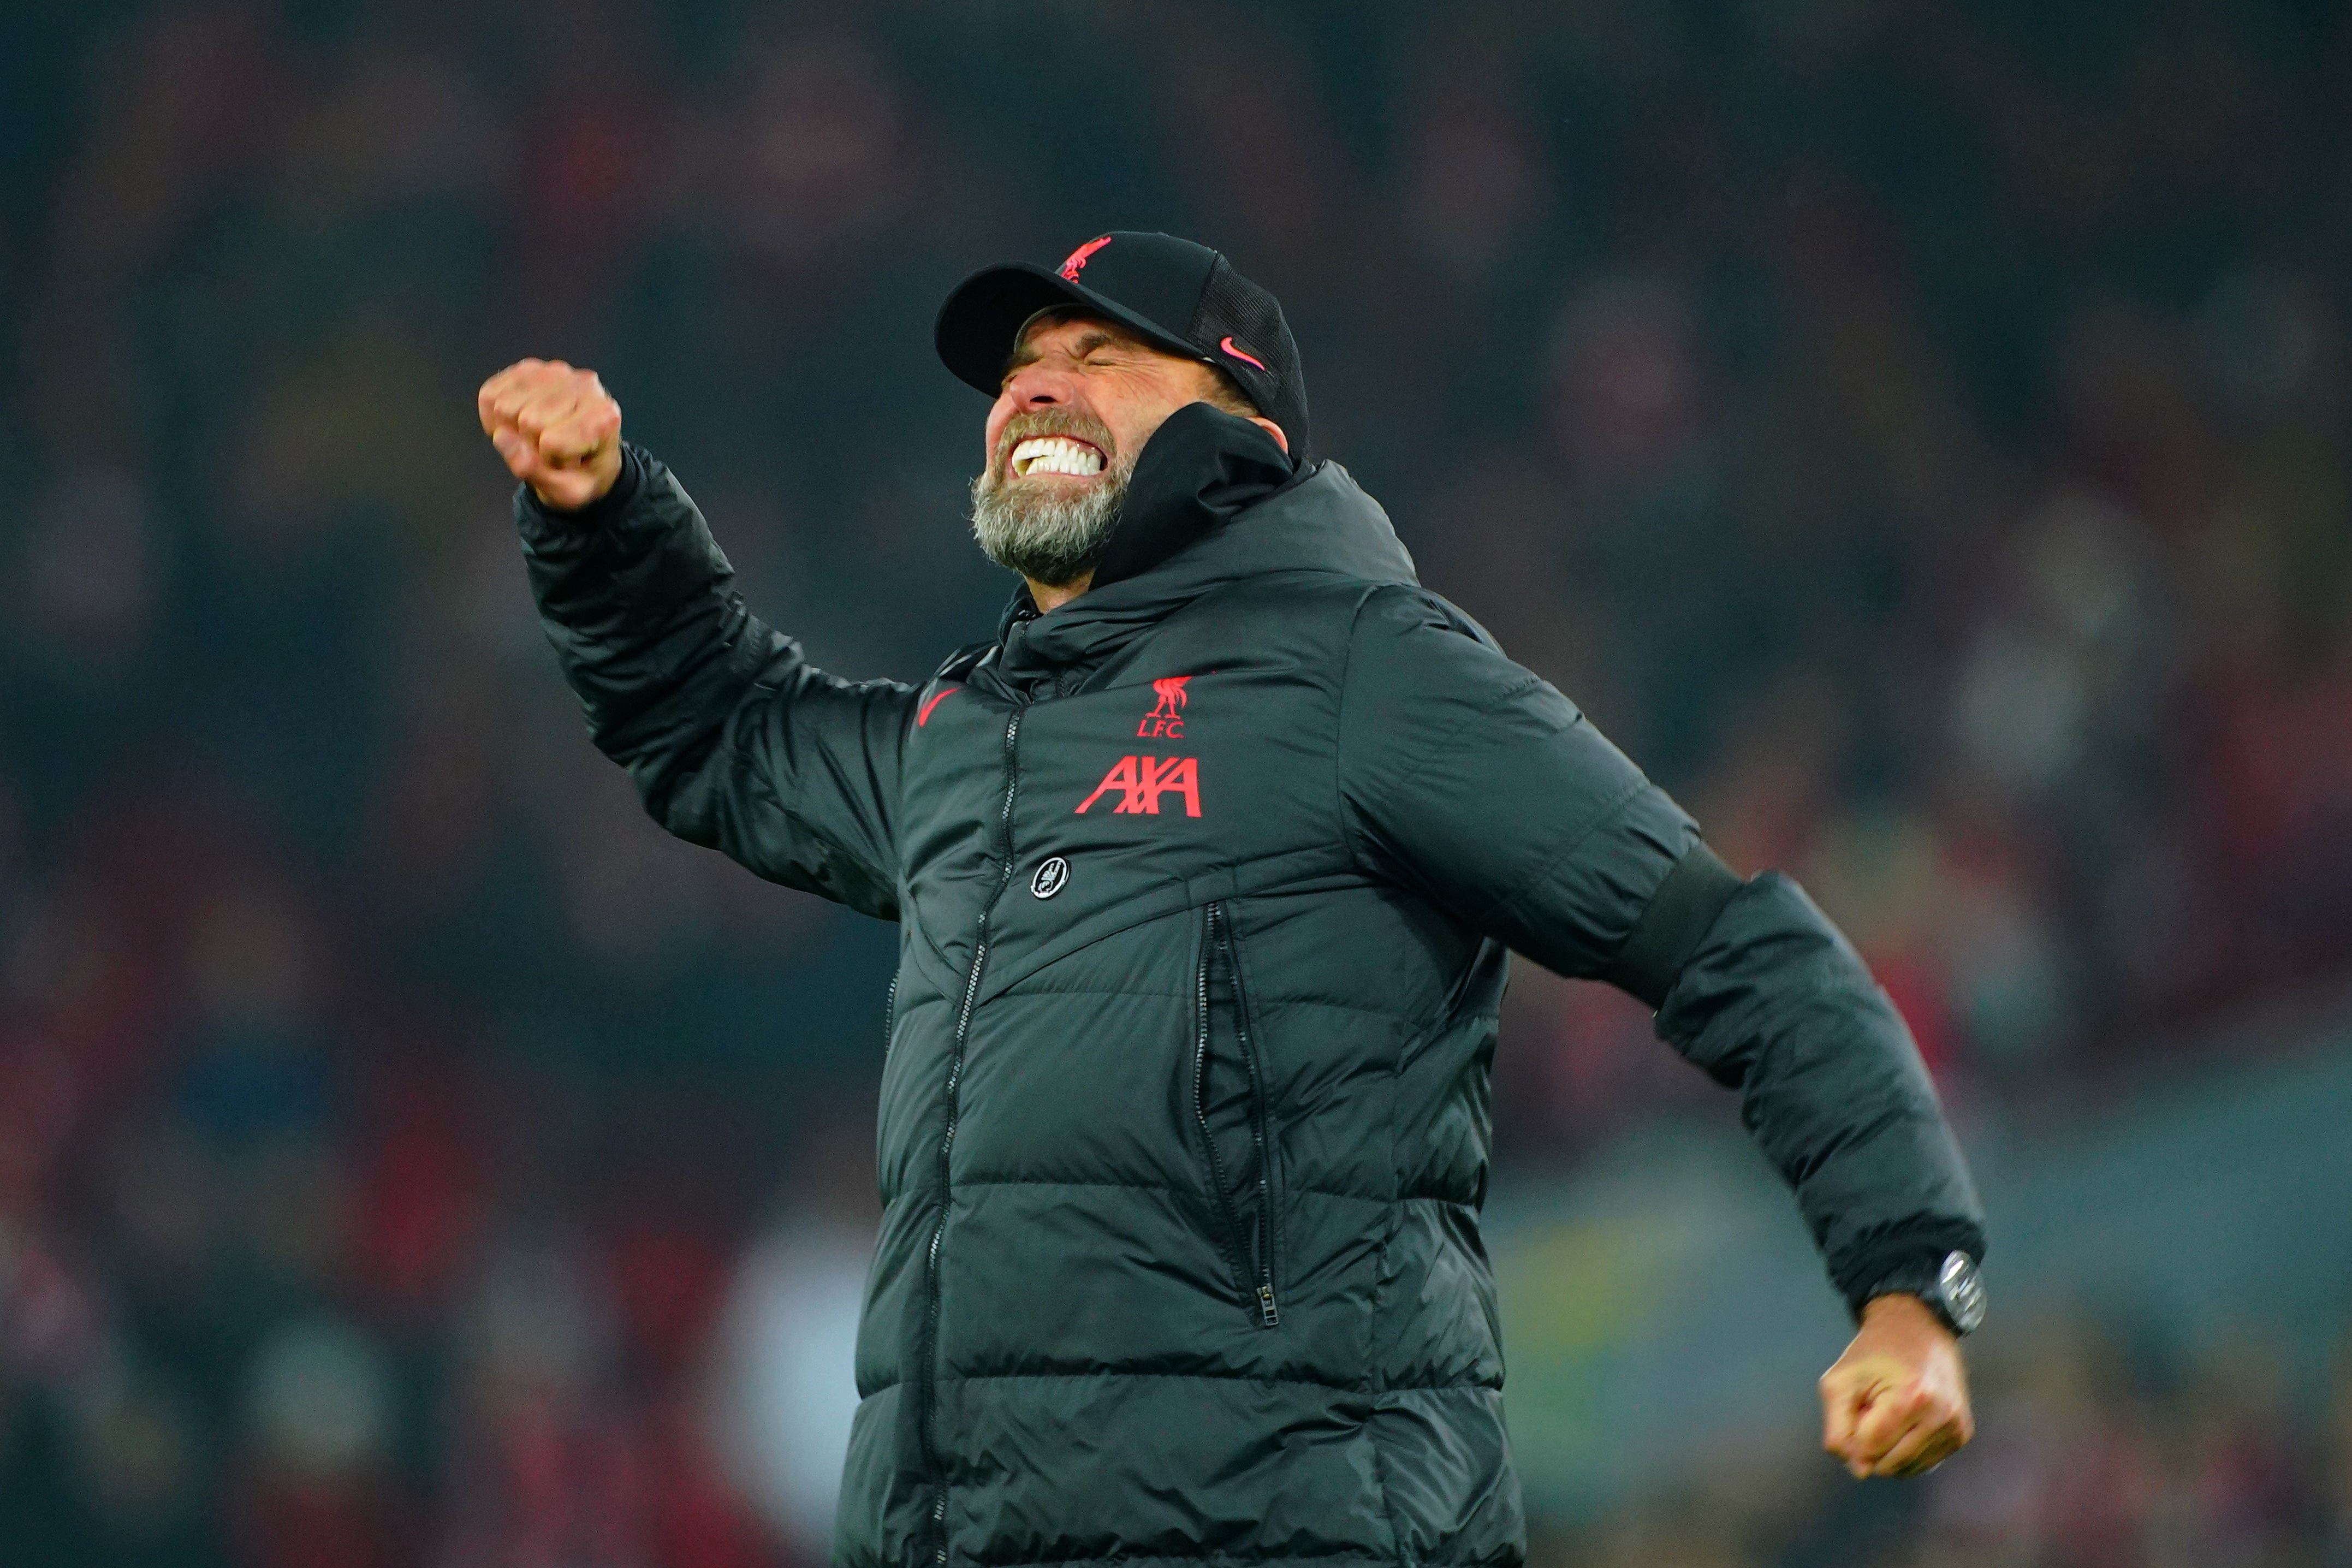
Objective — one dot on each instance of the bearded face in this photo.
(1047, 501)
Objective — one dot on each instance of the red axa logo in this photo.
(1166, 718)
(1141, 781)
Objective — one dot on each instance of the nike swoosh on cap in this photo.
(1227, 344)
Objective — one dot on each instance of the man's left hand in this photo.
(1896, 1403)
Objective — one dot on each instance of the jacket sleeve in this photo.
(733, 739)
(1477, 785)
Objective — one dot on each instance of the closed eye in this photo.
(1098, 349)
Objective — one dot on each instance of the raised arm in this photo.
(733, 738)
(1473, 780)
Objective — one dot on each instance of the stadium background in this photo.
(1917, 432)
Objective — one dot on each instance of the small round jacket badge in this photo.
(1051, 877)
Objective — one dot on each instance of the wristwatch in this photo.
(1953, 1290)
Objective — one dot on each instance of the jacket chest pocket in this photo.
(1228, 1096)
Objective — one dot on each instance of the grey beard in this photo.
(1048, 538)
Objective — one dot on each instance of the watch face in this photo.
(1963, 1292)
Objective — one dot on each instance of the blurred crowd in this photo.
(1916, 433)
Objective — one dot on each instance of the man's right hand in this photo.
(557, 427)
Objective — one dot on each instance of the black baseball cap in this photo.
(1173, 294)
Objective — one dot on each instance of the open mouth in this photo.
(1056, 455)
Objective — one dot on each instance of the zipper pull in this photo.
(1266, 1306)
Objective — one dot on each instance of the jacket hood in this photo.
(1212, 501)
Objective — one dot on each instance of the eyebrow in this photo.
(1025, 354)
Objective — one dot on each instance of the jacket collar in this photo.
(1213, 499)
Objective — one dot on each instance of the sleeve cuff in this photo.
(1907, 1258)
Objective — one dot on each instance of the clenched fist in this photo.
(1896, 1403)
(557, 427)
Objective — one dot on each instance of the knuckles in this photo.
(563, 414)
(1924, 1429)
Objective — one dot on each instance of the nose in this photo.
(1037, 384)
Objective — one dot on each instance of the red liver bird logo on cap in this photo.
(1076, 261)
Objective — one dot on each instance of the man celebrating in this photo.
(1206, 870)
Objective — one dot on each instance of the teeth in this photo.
(1056, 455)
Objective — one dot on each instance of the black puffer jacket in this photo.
(1205, 883)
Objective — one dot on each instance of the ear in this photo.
(1271, 428)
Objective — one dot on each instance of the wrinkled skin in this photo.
(1073, 365)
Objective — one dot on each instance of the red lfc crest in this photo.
(1166, 718)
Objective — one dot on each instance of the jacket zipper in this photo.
(890, 1014)
(1260, 1136)
(928, 1424)
(1219, 940)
